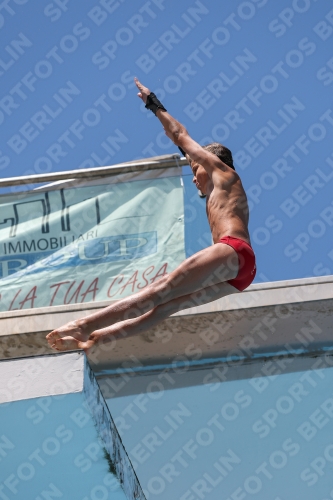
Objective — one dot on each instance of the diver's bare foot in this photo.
(70, 344)
(74, 330)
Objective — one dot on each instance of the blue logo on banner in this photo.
(95, 251)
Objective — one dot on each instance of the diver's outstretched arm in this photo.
(179, 135)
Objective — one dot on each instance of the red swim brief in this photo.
(247, 262)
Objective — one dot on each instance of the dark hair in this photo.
(223, 153)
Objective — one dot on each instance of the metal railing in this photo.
(157, 162)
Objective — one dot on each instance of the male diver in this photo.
(226, 267)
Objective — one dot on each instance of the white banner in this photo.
(100, 241)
